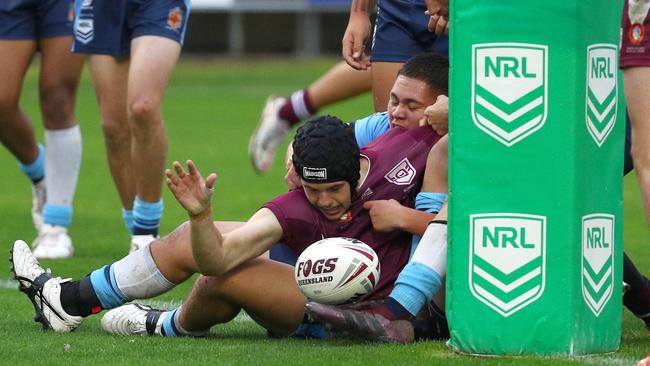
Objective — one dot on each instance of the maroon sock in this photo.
(297, 108)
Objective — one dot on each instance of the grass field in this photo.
(211, 107)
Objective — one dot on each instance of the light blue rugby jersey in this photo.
(368, 129)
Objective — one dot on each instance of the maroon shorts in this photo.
(635, 35)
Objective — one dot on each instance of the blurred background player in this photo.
(134, 46)
(339, 83)
(401, 31)
(45, 26)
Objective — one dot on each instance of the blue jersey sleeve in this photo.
(368, 129)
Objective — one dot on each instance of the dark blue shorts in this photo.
(35, 19)
(401, 32)
(108, 26)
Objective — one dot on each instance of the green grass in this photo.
(211, 107)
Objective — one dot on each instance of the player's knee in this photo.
(57, 106)
(143, 110)
(116, 134)
(8, 105)
(641, 156)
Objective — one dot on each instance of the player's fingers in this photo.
(368, 205)
(210, 180)
(433, 20)
(178, 168)
(422, 122)
(192, 168)
(440, 26)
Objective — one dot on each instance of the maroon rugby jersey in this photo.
(397, 162)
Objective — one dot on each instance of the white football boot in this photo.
(43, 290)
(271, 132)
(39, 196)
(134, 319)
(53, 242)
(141, 241)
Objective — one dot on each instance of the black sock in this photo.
(78, 298)
(637, 297)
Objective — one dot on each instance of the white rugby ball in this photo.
(337, 270)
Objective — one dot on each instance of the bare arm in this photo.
(214, 253)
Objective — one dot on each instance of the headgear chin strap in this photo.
(325, 150)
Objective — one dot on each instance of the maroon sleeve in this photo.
(298, 219)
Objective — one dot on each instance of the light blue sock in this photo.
(36, 170)
(57, 215)
(127, 215)
(428, 202)
(416, 286)
(168, 327)
(103, 281)
(146, 217)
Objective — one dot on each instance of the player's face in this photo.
(332, 199)
(408, 100)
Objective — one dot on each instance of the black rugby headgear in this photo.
(325, 150)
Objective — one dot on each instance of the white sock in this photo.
(298, 103)
(62, 161)
(138, 276)
(432, 251)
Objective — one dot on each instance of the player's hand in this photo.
(437, 115)
(439, 25)
(291, 178)
(384, 214)
(439, 7)
(189, 188)
(354, 41)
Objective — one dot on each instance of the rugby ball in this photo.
(337, 270)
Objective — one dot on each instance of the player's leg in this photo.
(16, 130)
(63, 304)
(637, 97)
(152, 60)
(59, 78)
(338, 83)
(264, 288)
(110, 77)
(383, 78)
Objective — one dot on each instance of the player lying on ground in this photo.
(235, 277)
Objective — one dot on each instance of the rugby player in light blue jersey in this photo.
(45, 26)
(133, 46)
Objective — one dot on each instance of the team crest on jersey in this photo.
(509, 89)
(636, 34)
(507, 265)
(402, 174)
(597, 260)
(84, 30)
(175, 18)
(602, 90)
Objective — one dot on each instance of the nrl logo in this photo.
(602, 90)
(509, 89)
(507, 265)
(597, 260)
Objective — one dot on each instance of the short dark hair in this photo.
(325, 150)
(431, 68)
